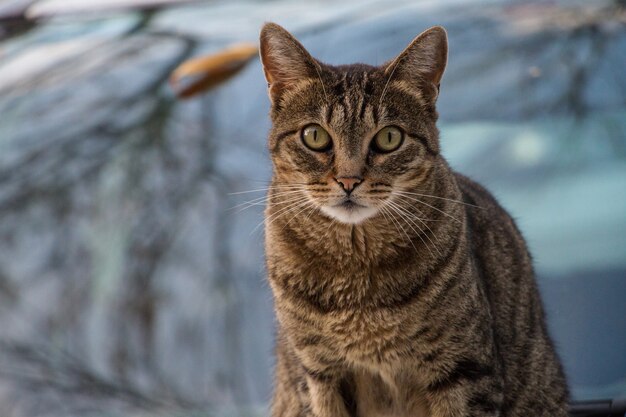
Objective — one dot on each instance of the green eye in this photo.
(316, 138)
(388, 139)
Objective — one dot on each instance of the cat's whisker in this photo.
(437, 197)
(421, 220)
(292, 209)
(290, 203)
(428, 205)
(273, 187)
(400, 225)
(312, 211)
(384, 200)
(306, 207)
(248, 205)
(282, 211)
(259, 190)
(263, 201)
(260, 200)
(382, 95)
(253, 202)
(391, 213)
(385, 212)
(322, 83)
(403, 215)
(270, 181)
(331, 222)
(408, 216)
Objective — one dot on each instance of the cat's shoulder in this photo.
(481, 203)
(474, 191)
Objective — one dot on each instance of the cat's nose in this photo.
(348, 183)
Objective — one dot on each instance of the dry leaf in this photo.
(197, 75)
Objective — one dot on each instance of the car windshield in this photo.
(131, 238)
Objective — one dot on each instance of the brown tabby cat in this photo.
(401, 287)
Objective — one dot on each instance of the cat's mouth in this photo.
(349, 205)
(349, 211)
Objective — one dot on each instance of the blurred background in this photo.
(129, 286)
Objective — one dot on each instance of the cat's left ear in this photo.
(285, 61)
(423, 62)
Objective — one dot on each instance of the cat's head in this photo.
(350, 138)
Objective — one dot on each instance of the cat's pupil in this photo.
(315, 135)
(389, 136)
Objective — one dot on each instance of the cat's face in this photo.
(350, 138)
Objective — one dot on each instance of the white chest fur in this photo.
(381, 394)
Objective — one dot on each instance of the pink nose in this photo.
(349, 183)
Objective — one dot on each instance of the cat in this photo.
(401, 288)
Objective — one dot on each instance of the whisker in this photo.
(387, 215)
(310, 213)
(421, 220)
(421, 231)
(258, 190)
(417, 215)
(382, 95)
(267, 181)
(290, 210)
(307, 206)
(382, 211)
(252, 202)
(283, 210)
(290, 203)
(398, 223)
(428, 205)
(331, 223)
(419, 234)
(322, 82)
(440, 198)
(265, 198)
(385, 199)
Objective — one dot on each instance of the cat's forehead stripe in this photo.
(354, 96)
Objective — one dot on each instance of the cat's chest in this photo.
(337, 308)
(321, 284)
(383, 393)
(363, 333)
(361, 337)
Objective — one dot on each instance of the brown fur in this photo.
(428, 307)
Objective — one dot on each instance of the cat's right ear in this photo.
(285, 61)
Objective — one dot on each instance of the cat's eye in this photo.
(315, 137)
(388, 139)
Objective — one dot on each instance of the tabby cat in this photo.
(401, 287)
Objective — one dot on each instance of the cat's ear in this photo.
(285, 61)
(423, 62)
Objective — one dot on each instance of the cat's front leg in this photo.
(325, 394)
(470, 388)
(309, 380)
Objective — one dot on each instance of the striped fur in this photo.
(429, 307)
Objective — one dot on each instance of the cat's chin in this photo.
(352, 214)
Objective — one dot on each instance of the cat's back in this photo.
(505, 270)
(499, 253)
(493, 231)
